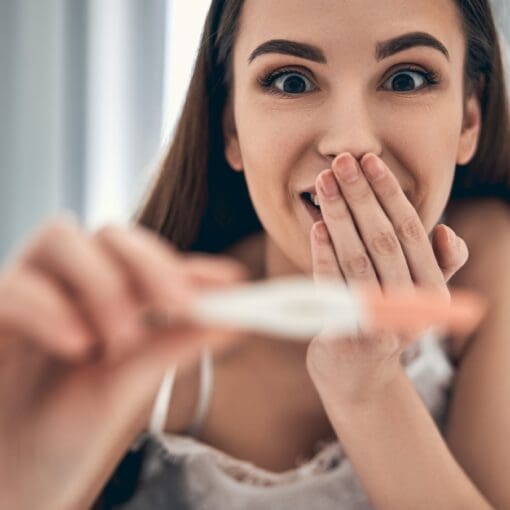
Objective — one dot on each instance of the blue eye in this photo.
(291, 83)
(288, 83)
(405, 81)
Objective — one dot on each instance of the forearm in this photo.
(399, 454)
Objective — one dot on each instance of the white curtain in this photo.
(89, 94)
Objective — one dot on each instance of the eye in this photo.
(286, 83)
(410, 80)
(289, 82)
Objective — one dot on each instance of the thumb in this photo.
(450, 250)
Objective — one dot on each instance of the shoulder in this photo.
(484, 224)
(477, 219)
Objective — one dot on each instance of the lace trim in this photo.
(423, 358)
(329, 457)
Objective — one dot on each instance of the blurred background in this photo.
(90, 91)
(89, 94)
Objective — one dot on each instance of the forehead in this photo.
(335, 25)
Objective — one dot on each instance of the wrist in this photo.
(346, 402)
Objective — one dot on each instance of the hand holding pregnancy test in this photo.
(297, 308)
(366, 237)
(366, 222)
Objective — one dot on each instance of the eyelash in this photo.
(267, 80)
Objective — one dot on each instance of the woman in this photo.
(411, 103)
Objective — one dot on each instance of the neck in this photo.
(275, 261)
(264, 366)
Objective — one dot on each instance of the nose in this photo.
(347, 127)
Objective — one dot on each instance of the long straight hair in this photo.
(198, 203)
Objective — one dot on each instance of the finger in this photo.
(164, 279)
(351, 254)
(208, 269)
(154, 262)
(91, 278)
(408, 226)
(324, 262)
(450, 250)
(154, 268)
(34, 307)
(376, 230)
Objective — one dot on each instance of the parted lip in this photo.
(313, 190)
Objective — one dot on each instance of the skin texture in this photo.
(352, 111)
(282, 144)
(349, 115)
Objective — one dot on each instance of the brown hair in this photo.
(199, 204)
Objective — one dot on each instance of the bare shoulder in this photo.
(474, 219)
(484, 224)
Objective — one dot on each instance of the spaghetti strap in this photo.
(161, 405)
(205, 392)
(162, 401)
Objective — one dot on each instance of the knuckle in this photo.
(391, 190)
(390, 345)
(157, 243)
(60, 225)
(153, 236)
(323, 264)
(106, 231)
(361, 194)
(44, 241)
(357, 265)
(34, 288)
(410, 229)
(385, 243)
(48, 234)
(107, 302)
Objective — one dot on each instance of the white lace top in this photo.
(183, 473)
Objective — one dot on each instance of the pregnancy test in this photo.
(299, 308)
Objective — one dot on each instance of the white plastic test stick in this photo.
(294, 307)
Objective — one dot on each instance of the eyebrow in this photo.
(383, 49)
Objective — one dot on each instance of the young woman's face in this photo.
(354, 91)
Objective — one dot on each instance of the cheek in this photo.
(425, 144)
(272, 141)
(274, 144)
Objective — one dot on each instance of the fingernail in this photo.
(347, 170)
(321, 231)
(328, 184)
(373, 169)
